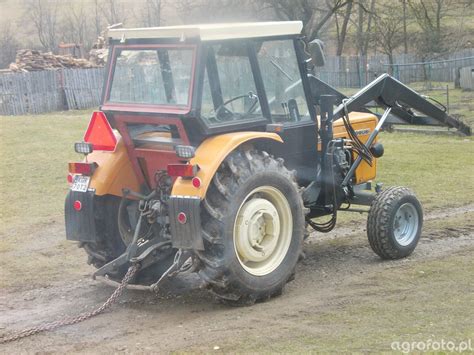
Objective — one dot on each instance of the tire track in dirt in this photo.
(184, 315)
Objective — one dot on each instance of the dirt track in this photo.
(343, 298)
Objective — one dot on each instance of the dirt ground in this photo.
(344, 298)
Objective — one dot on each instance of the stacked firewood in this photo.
(99, 52)
(32, 60)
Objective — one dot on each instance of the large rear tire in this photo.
(109, 244)
(253, 227)
(394, 223)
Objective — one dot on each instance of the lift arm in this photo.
(387, 91)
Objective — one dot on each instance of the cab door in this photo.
(283, 74)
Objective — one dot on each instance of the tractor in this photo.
(216, 148)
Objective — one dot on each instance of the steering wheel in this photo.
(225, 114)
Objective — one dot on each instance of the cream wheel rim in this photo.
(262, 230)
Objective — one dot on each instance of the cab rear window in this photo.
(152, 76)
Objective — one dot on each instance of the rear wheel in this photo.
(394, 223)
(253, 228)
(109, 244)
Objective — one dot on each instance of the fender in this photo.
(114, 171)
(209, 156)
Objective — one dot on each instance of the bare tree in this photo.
(388, 32)
(318, 21)
(96, 12)
(435, 37)
(74, 23)
(150, 14)
(342, 32)
(44, 17)
(404, 19)
(113, 11)
(195, 11)
(364, 25)
(315, 15)
(8, 44)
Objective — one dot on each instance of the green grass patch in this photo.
(412, 303)
(438, 168)
(34, 152)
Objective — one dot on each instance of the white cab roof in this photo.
(212, 32)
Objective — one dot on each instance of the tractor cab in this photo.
(180, 85)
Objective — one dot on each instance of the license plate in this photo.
(80, 183)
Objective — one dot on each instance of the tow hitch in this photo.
(145, 252)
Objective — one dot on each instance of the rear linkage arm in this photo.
(143, 254)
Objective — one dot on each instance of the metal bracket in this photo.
(369, 142)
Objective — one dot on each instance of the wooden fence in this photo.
(50, 90)
(46, 91)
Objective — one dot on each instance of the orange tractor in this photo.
(216, 148)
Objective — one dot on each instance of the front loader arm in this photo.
(387, 91)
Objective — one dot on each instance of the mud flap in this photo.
(186, 235)
(80, 224)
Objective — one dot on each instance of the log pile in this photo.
(99, 52)
(32, 60)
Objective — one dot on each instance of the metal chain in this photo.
(81, 317)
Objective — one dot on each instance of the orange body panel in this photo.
(209, 156)
(364, 124)
(114, 171)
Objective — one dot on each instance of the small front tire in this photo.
(394, 223)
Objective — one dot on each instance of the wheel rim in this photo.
(262, 230)
(405, 224)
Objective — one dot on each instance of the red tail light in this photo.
(77, 205)
(82, 168)
(182, 218)
(183, 170)
(196, 182)
(99, 133)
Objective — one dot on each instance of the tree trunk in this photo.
(369, 28)
(342, 37)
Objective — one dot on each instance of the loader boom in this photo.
(387, 91)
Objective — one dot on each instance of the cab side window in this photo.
(229, 92)
(282, 80)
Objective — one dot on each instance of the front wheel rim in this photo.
(262, 230)
(405, 224)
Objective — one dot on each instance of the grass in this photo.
(404, 302)
(377, 309)
(383, 311)
(34, 151)
(438, 168)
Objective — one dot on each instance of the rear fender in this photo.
(209, 156)
(114, 171)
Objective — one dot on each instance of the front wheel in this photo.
(394, 223)
(253, 228)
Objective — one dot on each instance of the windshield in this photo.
(159, 75)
